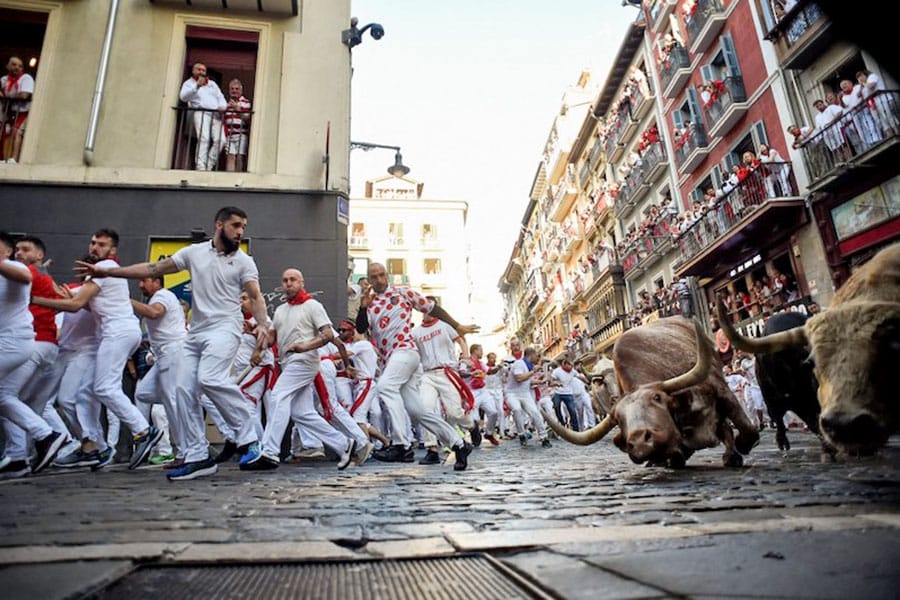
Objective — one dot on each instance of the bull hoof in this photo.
(733, 460)
(745, 441)
(677, 461)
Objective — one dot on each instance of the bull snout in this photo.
(646, 444)
(858, 432)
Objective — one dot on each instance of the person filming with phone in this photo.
(207, 104)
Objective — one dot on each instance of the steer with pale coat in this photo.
(855, 347)
(674, 399)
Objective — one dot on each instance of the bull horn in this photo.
(582, 438)
(761, 345)
(698, 372)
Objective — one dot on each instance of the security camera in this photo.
(377, 31)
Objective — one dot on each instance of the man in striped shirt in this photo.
(237, 124)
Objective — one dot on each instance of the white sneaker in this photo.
(362, 455)
(344, 462)
(68, 449)
(4, 461)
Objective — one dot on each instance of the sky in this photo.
(469, 89)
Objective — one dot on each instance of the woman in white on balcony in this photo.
(775, 170)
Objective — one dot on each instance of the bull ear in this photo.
(762, 345)
(700, 370)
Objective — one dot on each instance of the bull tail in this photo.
(581, 438)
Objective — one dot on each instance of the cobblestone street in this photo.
(580, 522)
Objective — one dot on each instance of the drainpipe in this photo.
(88, 155)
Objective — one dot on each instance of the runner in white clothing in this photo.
(219, 271)
(443, 390)
(484, 402)
(166, 329)
(387, 312)
(521, 399)
(366, 407)
(16, 346)
(300, 327)
(119, 336)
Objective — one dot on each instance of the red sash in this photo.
(266, 371)
(322, 391)
(468, 400)
(361, 398)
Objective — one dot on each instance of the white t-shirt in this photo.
(216, 283)
(735, 382)
(207, 96)
(77, 330)
(15, 318)
(520, 389)
(578, 386)
(872, 80)
(169, 327)
(749, 366)
(435, 344)
(365, 359)
(492, 381)
(24, 84)
(564, 379)
(112, 306)
(299, 323)
(390, 318)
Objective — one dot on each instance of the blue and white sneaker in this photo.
(102, 458)
(193, 470)
(143, 444)
(251, 455)
(79, 458)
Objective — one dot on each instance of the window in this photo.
(429, 232)
(432, 266)
(847, 70)
(358, 237)
(22, 35)
(395, 234)
(204, 140)
(396, 266)
(358, 230)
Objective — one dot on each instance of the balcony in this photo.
(399, 279)
(858, 138)
(727, 106)
(801, 35)
(618, 131)
(273, 8)
(674, 71)
(704, 24)
(430, 243)
(228, 134)
(641, 102)
(633, 189)
(764, 208)
(396, 243)
(659, 14)
(359, 242)
(608, 332)
(655, 162)
(643, 252)
(690, 149)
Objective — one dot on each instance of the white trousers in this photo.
(76, 384)
(292, 397)
(398, 387)
(344, 388)
(486, 403)
(208, 127)
(586, 415)
(365, 397)
(112, 353)
(158, 387)
(340, 418)
(496, 394)
(255, 390)
(15, 353)
(439, 396)
(206, 368)
(522, 405)
(35, 380)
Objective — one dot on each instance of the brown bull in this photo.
(674, 398)
(856, 351)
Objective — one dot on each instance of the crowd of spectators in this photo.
(766, 295)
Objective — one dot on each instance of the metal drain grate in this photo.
(447, 578)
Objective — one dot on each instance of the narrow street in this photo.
(577, 522)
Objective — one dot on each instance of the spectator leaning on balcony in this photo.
(775, 171)
(829, 114)
(860, 114)
(237, 124)
(801, 134)
(16, 88)
(203, 94)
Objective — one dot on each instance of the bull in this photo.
(855, 347)
(787, 382)
(674, 399)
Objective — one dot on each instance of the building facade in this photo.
(422, 242)
(110, 143)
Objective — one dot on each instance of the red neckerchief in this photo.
(247, 316)
(518, 355)
(429, 324)
(567, 369)
(301, 297)
(12, 81)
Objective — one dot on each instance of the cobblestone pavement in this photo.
(582, 522)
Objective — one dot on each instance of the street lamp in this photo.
(353, 36)
(398, 169)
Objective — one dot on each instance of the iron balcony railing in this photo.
(873, 122)
(730, 91)
(653, 241)
(676, 59)
(701, 13)
(653, 155)
(769, 180)
(796, 23)
(12, 125)
(690, 140)
(623, 117)
(211, 140)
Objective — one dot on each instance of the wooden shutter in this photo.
(730, 55)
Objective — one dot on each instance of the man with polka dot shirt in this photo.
(387, 313)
